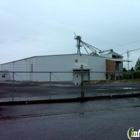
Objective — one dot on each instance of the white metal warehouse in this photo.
(96, 66)
(62, 67)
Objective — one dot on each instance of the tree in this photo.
(124, 70)
(132, 69)
(137, 66)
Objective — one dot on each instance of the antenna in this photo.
(74, 34)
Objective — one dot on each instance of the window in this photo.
(3, 76)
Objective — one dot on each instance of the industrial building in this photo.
(64, 67)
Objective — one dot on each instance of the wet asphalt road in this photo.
(99, 120)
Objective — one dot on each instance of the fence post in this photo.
(132, 82)
(82, 84)
(50, 78)
(13, 88)
(50, 86)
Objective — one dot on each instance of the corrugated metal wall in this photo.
(56, 63)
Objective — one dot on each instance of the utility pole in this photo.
(128, 54)
(128, 58)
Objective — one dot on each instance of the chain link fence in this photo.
(25, 86)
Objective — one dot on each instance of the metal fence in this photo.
(25, 86)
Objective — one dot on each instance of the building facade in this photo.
(63, 67)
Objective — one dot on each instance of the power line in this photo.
(129, 55)
(131, 50)
(126, 44)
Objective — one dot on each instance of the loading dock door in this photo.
(86, 74)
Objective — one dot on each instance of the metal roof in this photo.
(114, 53)
(118, 60)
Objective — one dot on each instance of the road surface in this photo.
(92, 120)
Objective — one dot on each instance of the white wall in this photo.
(20, 67)
(67, 63)
(54, 64)
(4, 77)
(98, 66)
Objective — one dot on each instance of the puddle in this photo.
(128, 88)
(101, 89)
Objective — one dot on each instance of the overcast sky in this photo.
(45, 27)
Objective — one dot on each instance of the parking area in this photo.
(20, 91)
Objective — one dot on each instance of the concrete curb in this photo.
(65, 100)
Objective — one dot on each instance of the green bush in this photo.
(136, 75)
(127, 75)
